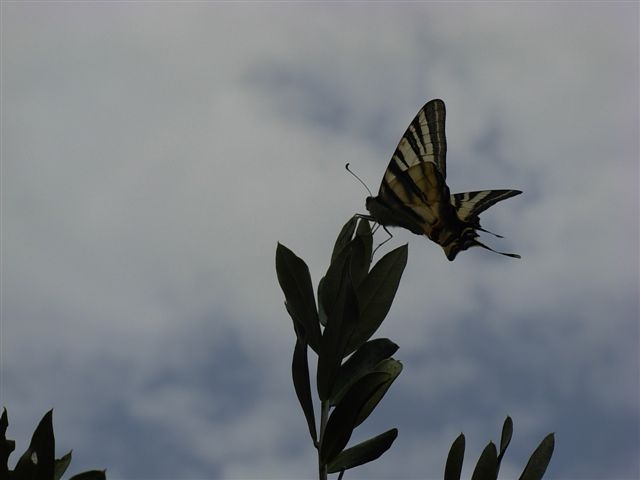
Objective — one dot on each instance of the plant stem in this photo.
(324, 416)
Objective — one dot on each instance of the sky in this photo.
(154, 153)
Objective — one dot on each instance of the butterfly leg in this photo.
(375, 229)
(388, 233)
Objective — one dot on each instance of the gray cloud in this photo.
(153, 154)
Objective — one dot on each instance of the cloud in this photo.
(154, 154)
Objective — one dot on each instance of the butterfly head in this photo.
(369, 202)
(378, 210)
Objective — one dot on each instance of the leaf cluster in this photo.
(38, 461)
(488, 465)
(353, 372)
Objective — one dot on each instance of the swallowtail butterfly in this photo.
(415, 196)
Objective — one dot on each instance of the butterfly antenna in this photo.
(388, 233)
(358, 178)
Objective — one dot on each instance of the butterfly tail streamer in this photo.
(487, 231)
(512, 255)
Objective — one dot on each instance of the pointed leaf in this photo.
(301, 383)
(6, 446)
(361, 246)
(364, 452)
(37, 462)
(331, 285)
(295, 281)
(376, 294)
(340, 323)
(486, 468)
(344, 237)
(4, 423)
(60, 466)
(453, 467)
(322, 315)
(91, 475)
(25, 468)
(392, 368)
(505, 439)
(342, 420)
(298, 327)
(539, 460)
(332, 282)
(363, 361)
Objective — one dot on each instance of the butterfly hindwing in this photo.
(470, 204)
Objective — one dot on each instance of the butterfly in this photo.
(414, 193)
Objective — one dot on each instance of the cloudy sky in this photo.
(154, 153)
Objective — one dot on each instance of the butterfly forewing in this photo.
(423, 141)
(415, 172)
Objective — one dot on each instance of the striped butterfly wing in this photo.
(413, 190)
(414, 194)
(469, 205)
(423, 141)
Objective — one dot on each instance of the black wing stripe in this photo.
(435, 113)
(416, 139)
(390, 199)
(411, 190)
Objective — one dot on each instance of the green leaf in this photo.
(331, 284)
(25, 468)
(91, 475)
(453, 467)
(340, 323)
(364, 452)
(486, 468)
(342, 420)
(37, 463)
(6, 446)
(60, 466)
(295, 281)
(344, 237)
(363, 361)
(350, 260)
(4, 423)
(300, 373)
(505, 439)
(298, 328)
(539, 460)
(376, 294)
(392, 369)
(322, 315)
(361, 247)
